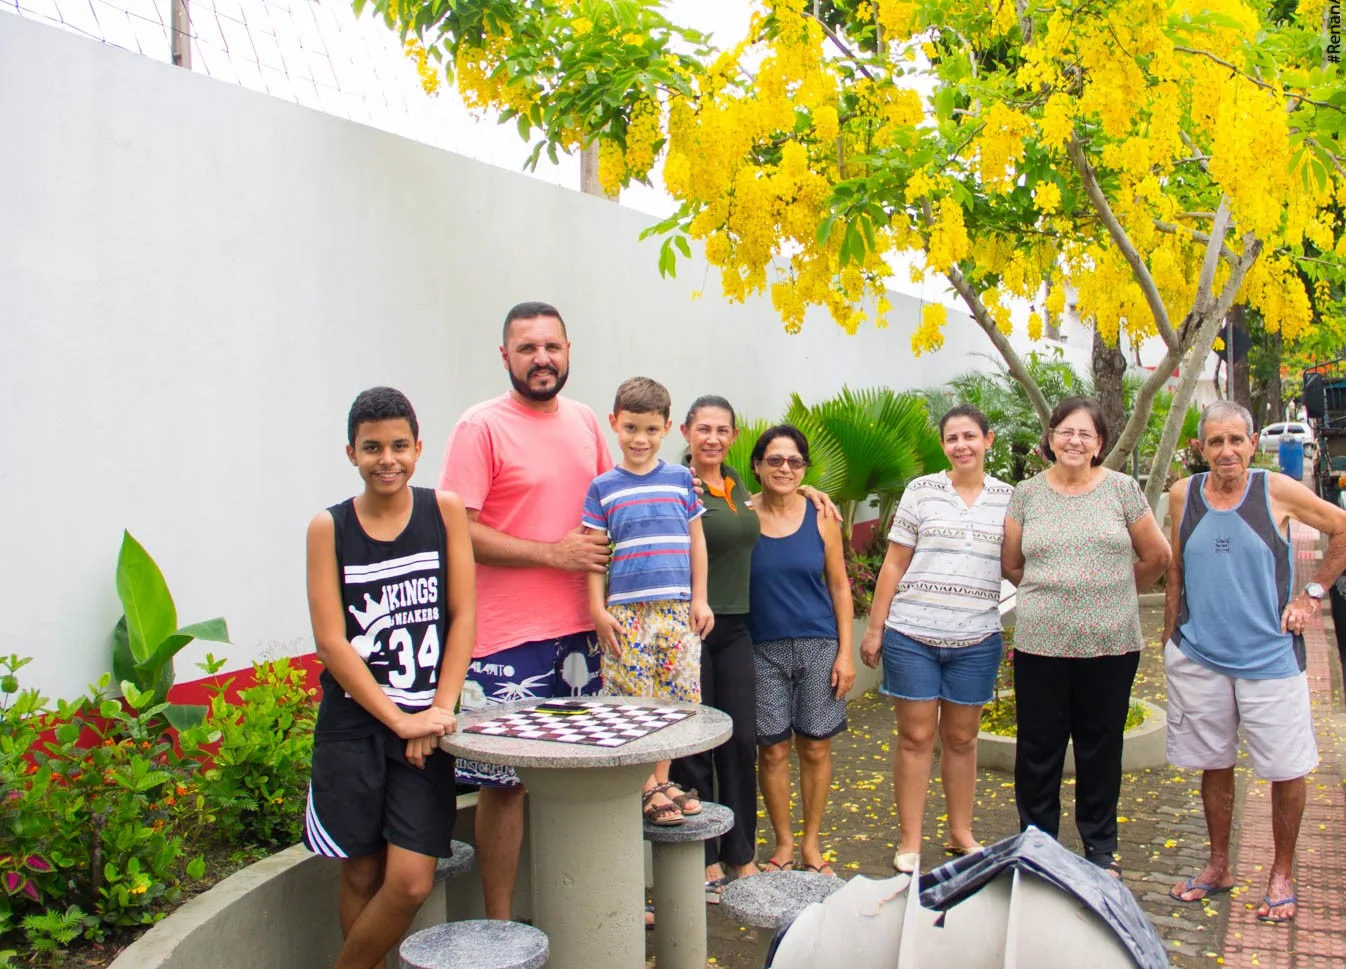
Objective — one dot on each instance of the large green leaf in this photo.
(184, 716)
(150, 613)
(212, 630)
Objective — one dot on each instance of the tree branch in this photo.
(1201, 158)
(1255, 80)
(1140, 411)
(840, 45)
(1206, 321)
(1206, 281)
(1016, 365)
(1196, 235)
(1139, 270)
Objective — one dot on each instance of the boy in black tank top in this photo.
(391, 596)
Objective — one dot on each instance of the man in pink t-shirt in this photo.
(522, 464)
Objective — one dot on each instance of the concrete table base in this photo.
(588, 865)
(583, 819)
(679, 885)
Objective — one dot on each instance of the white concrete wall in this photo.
(196, 280)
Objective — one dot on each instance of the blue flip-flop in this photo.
(1272, 905)
(1195, 886)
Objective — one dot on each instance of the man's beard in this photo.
(542, 396)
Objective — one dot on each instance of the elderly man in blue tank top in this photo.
(1234, 614)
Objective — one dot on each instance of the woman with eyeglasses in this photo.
(1080, 543)
(800, 622)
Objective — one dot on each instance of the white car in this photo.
(1269, 441)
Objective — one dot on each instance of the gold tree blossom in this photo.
(1165, 159)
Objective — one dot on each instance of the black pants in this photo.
(1063, 699)
(1338, 602)
(728, 774)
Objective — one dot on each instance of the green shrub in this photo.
(258, 772)
(99, 816)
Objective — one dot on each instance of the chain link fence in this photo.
(312, 52)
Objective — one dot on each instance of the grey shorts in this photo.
(794, 690)
(1207, 711)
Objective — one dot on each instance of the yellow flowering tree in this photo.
(1163, 159)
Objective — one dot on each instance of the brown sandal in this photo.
(681, 798)
(662, 815)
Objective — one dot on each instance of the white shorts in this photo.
(1206, 710)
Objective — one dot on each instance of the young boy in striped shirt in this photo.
(652, 611)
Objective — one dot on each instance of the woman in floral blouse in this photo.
(1080, 543)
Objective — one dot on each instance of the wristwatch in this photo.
(1315, 591)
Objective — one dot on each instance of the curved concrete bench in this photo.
(679, 885)
(772, 899)
(476, 944)
(285, 906)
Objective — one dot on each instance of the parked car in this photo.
(1269, 441)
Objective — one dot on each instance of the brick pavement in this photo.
(1317, 937)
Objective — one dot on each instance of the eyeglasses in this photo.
(1070, 434)
(776, 460)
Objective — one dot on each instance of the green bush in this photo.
(258, 772)
(104, 821)
(99, 815)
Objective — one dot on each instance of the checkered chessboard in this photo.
(604, 725)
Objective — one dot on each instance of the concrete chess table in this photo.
(586, 826)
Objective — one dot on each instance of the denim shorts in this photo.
(960, 674)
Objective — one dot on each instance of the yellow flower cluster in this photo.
(642, 134)
(929, 336)
(429, 76)
(1173, 111)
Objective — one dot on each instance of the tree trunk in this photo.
(1240, 377)
(1274, 403)
(589, 183)
(1109, 367)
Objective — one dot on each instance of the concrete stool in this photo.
(477, 944)
(442, 905)
(463, 862)
(679, 885)
(772, 899)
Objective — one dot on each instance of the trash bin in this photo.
(1290, 456)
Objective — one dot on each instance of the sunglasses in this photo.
(776, 460)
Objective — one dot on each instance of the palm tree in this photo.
(865, 443)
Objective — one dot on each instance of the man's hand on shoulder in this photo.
(581, 551)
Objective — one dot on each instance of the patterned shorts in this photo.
(661, 656)
(794, 690)
(563, 667)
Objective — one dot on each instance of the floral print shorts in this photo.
(660, 655)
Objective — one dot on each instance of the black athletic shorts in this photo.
(363, 795)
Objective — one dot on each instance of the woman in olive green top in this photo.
(727, 680)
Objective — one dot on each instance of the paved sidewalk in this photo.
(1317, 937)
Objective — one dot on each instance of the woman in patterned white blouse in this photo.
(935, 623)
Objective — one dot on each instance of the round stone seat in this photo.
(462, 862)
(476, 944)
(713, 821)
(773, 898)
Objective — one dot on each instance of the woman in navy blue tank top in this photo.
(800, 622)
